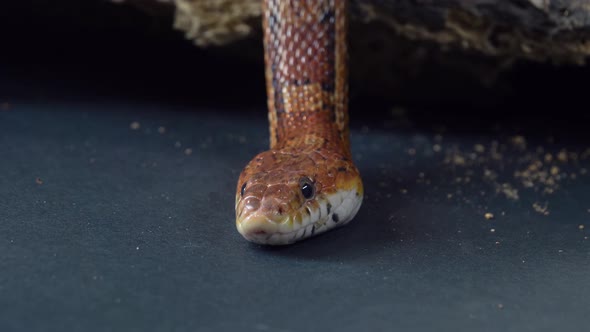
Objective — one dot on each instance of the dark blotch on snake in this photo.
(341, 169)
(328, 87)
(327, 16)
(329, 207)
(335, 217)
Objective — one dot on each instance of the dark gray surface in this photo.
(129, 233)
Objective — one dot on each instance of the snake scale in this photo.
(306, 183)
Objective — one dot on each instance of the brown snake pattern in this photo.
(306, 183)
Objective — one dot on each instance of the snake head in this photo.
(284, 196)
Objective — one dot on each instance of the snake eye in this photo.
(307, 188)
(243, 190)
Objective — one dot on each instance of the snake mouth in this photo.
(262, 230)
(337, 210)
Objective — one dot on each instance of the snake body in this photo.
(306, 183)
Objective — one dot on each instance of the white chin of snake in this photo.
(344, 206)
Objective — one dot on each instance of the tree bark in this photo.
(557, 30)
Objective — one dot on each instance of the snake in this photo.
(307, 182)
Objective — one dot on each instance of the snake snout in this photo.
(255, 210)
(259, 228)
(251, 204)
(264, 219)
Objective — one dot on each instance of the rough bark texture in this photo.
(557, 30)
(413, 50)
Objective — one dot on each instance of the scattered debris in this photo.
(548, 157)
(135, 125)
(512, 166)
(188, 151)
(458, 160)
(581, 227)
(39, 181)
(542, 209)
(519, 142)
(488, 215)
(562, 156)
(479, 148)
(162, 130)
(508, 191)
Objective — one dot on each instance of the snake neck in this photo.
(306, 74)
